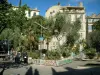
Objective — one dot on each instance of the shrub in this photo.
(65, 53)
(34, 54)
(76, 49)
(90, 53)
(52, 55)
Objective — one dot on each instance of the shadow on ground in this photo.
(93, 64)
(3, 69)
(30, 72)
(71, 71)
(94, 70)
(6, 65)
(36, 72)
(11, 65)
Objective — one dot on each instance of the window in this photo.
(95, 20)
(72, 17)
(34, 14)
(81, 17)
(89, 20)
(29, 13)
(53, 11)
(90, 27)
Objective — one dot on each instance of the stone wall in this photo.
(50, 62)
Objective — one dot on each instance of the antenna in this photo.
(20, 3)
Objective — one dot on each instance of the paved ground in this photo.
(76, 64)
(69, 69)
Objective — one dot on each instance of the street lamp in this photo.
(6, 42)
(41, 38)
(8, 47)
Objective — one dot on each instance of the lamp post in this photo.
(6, 42)
(41, 38)
(8, 47)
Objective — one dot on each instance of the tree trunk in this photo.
(47, 44)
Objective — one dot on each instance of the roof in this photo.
(94, 16)
(55, 6)
(35, 9)
(72, 7)
(98, 16)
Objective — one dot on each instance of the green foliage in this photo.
(25, 32)
(4, 11)
(61, 23)
(94, 40)
(20, 30)
(17, 18)
(96, 25)
(33, 30)
(52, 55)
(91, 52)
(73, 34)
(75, 49)
(94, 36)
(65, 52)
(98, 55)
(70, 40)
(76, 25)
(34, 54)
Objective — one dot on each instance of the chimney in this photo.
(80, 4)
(68, 5)
(58, 3)
(35, 8)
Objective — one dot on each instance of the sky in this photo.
(91, 6)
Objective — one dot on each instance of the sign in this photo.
(39, 47)
(41, 38)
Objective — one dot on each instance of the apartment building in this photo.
(74, 12)
(90, 21)
(29, 13)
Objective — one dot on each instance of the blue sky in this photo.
(91, 6)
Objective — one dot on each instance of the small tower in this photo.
(58, 3)
(80, 4)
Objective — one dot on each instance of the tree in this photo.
(73, 36)
(4, 11)
(17, 18)
(94, 40)
(15, 21)
(94, 36)
(48, 33)
(33, 30)
(96, 25)
(61, 25)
